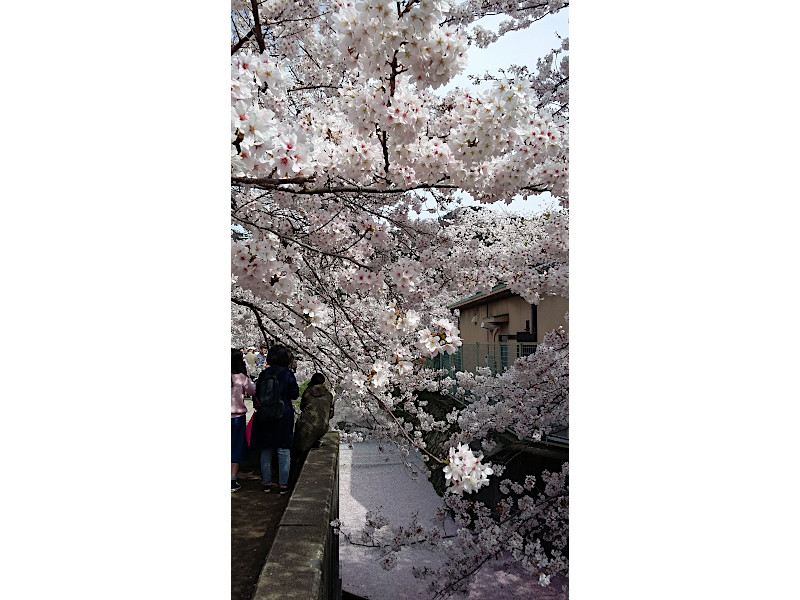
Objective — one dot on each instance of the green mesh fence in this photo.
(498, 357)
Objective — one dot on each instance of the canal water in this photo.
(370, 478)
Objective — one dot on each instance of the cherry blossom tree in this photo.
(338, 139)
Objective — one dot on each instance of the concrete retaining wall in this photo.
(303, 563)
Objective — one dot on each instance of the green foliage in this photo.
(296, 403)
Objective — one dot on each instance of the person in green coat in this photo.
(316, 410)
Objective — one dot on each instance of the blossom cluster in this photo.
(529, 255)
(394, 322)
(506, 143)
(376, 378)
(312, 314)
(377, 35)
(263, 145)
(464, 471)
(534, 393)
(259, 266)
(441, 338)
(402, 115)
(362, 280)
(405, 274)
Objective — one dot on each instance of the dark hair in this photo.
(316, 379)
(279, 356)
(237, 362)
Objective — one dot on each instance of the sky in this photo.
(517, 47)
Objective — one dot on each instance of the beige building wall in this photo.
(550, 315)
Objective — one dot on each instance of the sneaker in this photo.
(284, 489)
(268, 487)
(235, 485)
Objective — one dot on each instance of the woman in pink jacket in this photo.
(241, 384)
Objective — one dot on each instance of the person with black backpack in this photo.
(273, 420)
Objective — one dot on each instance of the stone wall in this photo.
(303, 563)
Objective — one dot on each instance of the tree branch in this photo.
(257, 26)
(382, 138)
(313, 87)
(269, 183)
(255, 310)
(241, 42)
(306, 246)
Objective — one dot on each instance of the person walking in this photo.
(276, 436)
(250, 359)
(241, 384)
(316, 410)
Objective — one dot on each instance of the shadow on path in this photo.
(254, 522)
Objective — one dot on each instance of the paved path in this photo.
(254, 522)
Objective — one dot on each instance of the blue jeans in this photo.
(238, 440)
(283, 465)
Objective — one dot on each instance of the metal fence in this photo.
(498, 357)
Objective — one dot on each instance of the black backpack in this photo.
(269, 397)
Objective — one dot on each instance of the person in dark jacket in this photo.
(277, 435)
(316, 409)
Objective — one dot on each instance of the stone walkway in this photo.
(254, 521)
